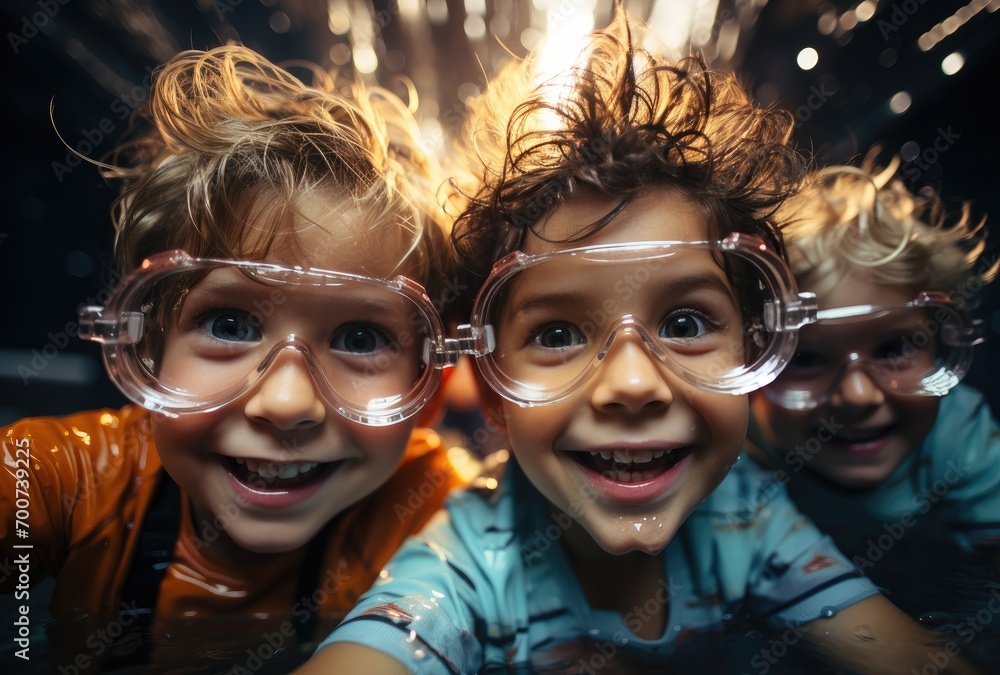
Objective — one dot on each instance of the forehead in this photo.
(331, 231)
(857, 288)
(657, 214)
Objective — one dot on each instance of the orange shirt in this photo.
(88, 486)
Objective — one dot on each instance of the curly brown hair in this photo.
(229, 143)
(629, 119)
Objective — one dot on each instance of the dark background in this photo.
(92, 59)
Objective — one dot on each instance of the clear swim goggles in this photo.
(919, 348)
(721, 315)
(186, 335)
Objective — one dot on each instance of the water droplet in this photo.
(595, 631)
(864, 632)
(727, 617)
(644, 519)
(828, 611)
(637, 526)
(419, 654)
(755, 635)
(412, 636)
(623, 641)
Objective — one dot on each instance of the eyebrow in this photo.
(661, 287)
(244, 289)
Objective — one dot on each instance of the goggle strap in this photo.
(125, 330)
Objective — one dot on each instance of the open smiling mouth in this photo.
(262, 475)
(625, 466)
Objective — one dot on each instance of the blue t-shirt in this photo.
(487, 583)
(949, 486)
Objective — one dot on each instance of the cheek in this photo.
(916, 416)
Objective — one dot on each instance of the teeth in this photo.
(628, 457)
(272, 470)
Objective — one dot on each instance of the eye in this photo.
(558, 336)
(230, 325)
(893, 350)
(806, 359)
(683, 326)
(358, 338)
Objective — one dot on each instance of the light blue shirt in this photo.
(487, 582)
(950, 483)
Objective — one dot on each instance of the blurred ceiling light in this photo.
(827, 22)
(339, 19)
(365, 60)
(279, 22)
(409, 10)
(475, 27)
(940, 31)
(952, 63)
(900, 102)
(475, 7)
(848, 19)
(865, 10)
(672, 23)
(807, 58)
(437, 11)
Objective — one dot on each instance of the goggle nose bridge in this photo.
(627, 324)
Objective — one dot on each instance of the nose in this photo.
(286, 396)
(857, 389)
(630, 379)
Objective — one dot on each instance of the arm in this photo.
(348, 658)
(874, 636)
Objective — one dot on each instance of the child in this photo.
(868, 424)
(636, 300)
(273, 326)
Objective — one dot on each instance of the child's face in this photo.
(861, 431)
(666, 444)
(276, 464)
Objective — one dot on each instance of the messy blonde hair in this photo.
(627, 120)
(235, 141)
(849, 218)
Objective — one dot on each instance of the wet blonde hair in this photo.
(848, 219)
(235, 141)
(626, 119)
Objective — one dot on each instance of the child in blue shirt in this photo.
(868, 424)
(637, 296)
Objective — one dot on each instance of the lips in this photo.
(636, 475)
(277, 484)
(632, 466)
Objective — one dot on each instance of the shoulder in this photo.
(94, 445)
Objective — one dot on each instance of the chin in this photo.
(264, 540)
